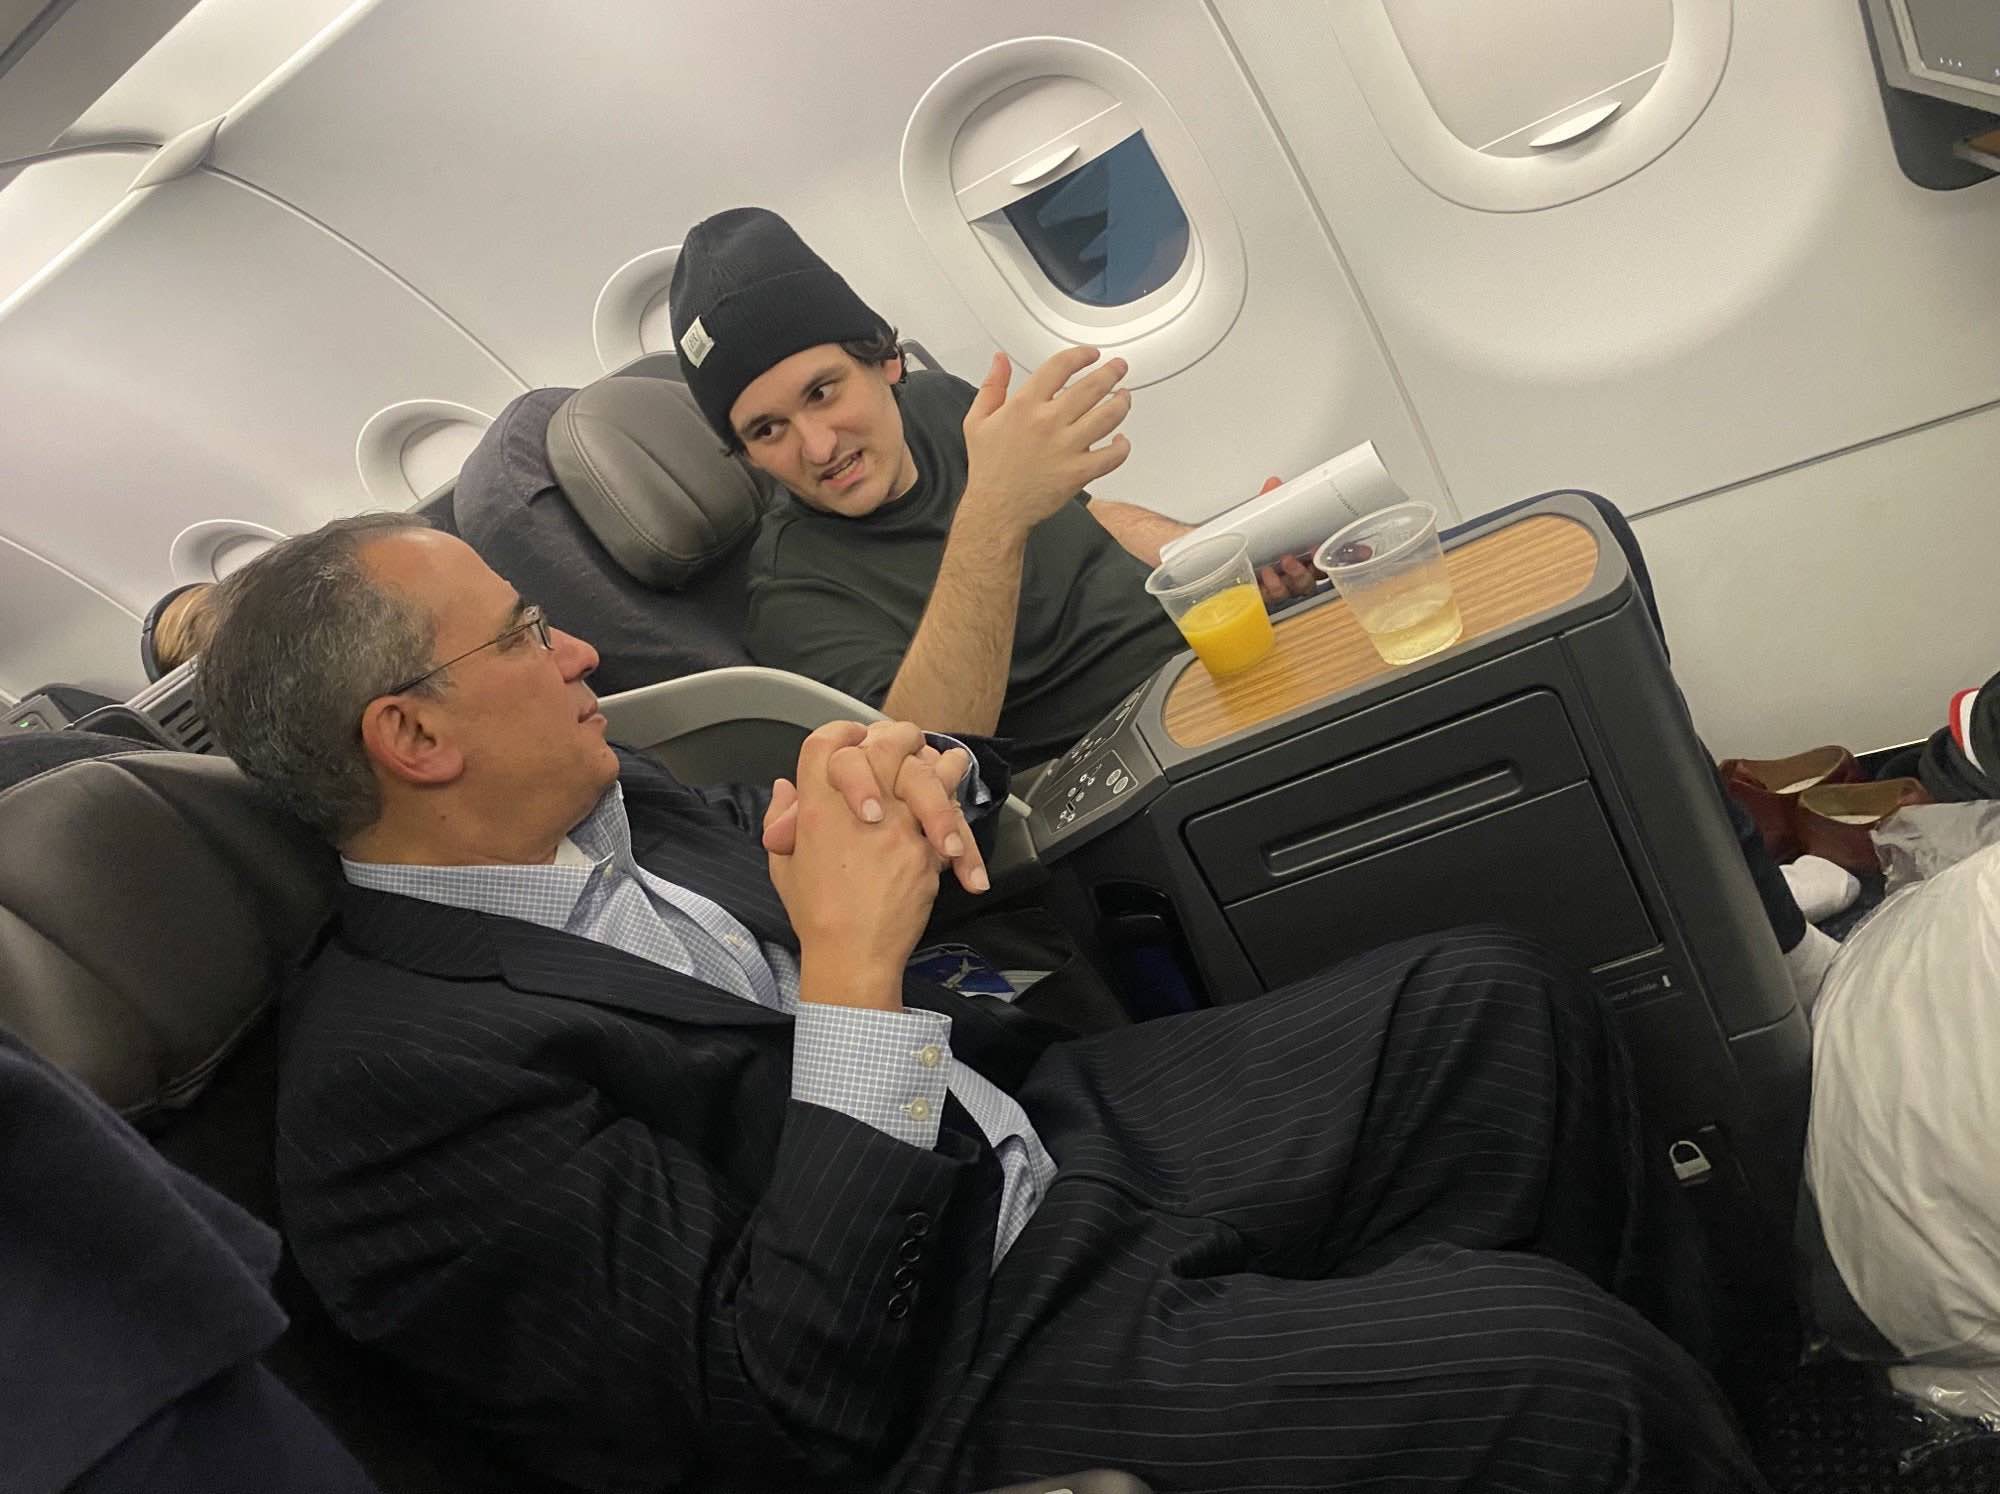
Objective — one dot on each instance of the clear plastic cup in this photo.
(1210, 591)
(1389, 566)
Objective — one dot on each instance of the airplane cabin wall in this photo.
(1775, 353)
(1767, 346)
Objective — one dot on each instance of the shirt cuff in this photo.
(972, 790)
(889, 1070)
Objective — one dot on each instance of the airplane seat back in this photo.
(614, 508)
(435, 508)
(665, 365)
(151, 903)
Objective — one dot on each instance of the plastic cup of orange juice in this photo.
(1210, 591)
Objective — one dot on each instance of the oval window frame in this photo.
(378, 449)
(1158, 335)
(1639, 135)
(618, 318)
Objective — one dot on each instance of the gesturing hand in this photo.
(1031, 452)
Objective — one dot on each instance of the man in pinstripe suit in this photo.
(608, 1108)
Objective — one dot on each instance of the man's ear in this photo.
(893, 370)
(403, 736)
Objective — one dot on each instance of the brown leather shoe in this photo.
(1835, 819)
(1769, 789)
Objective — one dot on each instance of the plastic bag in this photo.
(1903, 1151)
(1950, 1406)
(1919, 842)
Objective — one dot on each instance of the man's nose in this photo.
(575, 658)
(818, 441)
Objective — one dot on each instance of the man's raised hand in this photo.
(1031, 452)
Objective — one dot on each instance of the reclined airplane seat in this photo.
(151, 903)
(614, 507)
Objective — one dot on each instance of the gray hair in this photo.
(303, 640)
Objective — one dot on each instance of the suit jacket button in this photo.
(903, 1275)
(920, 1223)
(899, 1306)
(910, 1250)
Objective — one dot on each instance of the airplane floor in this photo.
(1835, 1429)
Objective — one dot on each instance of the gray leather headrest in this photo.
(150, 903)
(644, 472)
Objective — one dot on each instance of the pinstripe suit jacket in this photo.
(570, 1190)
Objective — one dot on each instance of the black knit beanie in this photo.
(746, 294)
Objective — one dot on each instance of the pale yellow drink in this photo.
(1408, 626)
(1388, 566)
(1229, 631)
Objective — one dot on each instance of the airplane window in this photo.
(1468, 91)
(1108, 233)
(1067, 202)
(1560, 55)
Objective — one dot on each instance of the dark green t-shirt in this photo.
(839, 599)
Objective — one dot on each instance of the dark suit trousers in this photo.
(1353, 1235)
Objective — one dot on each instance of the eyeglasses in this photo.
(531, 617)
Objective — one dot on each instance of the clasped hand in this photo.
(856, 846)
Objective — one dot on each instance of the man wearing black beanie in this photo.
(938, 556)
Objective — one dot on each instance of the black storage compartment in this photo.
(1548, 867)
(1489, 759)
(1487, 818)
(1545, 776)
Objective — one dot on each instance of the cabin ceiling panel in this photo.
(218, 53)
(510, 171)
(73, 57)
(150, 387)
(45, 208)
(1769, 290)
(53, 628)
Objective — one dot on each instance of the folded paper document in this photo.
(1293, 518)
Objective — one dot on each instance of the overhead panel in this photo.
(218, 54)
(55, 629)
(212, 356)
(48, 206)
(65, 58)
(548, 228)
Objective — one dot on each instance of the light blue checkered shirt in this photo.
(891, 1070)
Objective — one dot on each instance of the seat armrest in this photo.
(744, 724)
(673, 709)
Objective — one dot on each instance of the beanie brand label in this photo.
(695, 342)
